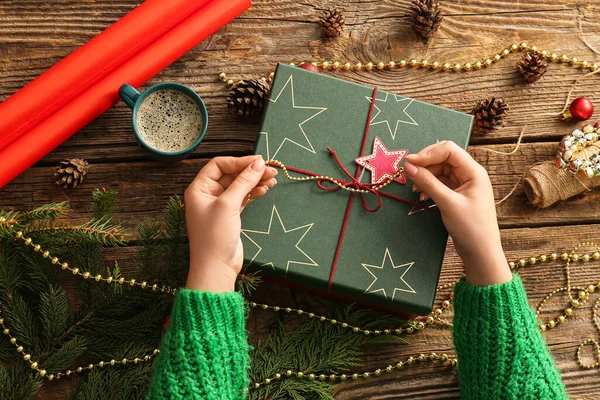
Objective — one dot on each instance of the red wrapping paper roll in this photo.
(73, 116)
(88, 64)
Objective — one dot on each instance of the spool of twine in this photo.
(545, 183)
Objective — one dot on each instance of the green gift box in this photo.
(380, 248)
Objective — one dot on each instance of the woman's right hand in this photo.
(462, 190)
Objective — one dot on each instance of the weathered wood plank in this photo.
(145, 187)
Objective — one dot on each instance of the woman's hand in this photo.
(462, 191)
(214, 202)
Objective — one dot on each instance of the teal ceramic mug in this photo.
(169, 119)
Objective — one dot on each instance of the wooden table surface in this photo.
(35, 34)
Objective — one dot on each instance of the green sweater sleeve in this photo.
(204, 353)
(501, 352)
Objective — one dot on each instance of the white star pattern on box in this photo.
(306, 144)
(403, 104)
(281, 230)
(380, 286)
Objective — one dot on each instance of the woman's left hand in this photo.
(214, 202)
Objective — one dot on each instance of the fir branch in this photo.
(18, 383)
(55, 313)
(19, 319)
(315, 348)
(48, 212)
(9, 222)
(176, 256)
(10, 271)
(104, 204)
(66, 355)
(96, 231)
(149, 248)
(247, 282)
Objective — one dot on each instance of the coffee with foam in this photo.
(169, 121)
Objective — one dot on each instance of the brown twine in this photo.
(545, 183)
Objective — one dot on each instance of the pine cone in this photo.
(71, 172)
(490, 112)
(248, 98)
(333, 22)
(532, 66)
(427, 17)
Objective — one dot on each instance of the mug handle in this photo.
(129, 95)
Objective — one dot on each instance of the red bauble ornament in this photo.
(309, 66)
(581, 109)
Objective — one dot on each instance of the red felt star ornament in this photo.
(383, 163)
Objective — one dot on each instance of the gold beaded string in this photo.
(437, 65)
(413, 325)
(330, 179)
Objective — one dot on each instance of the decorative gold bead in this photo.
(278, 376)
(271, 76)
(75, 271)
(522, 262)
(64, 265)
(594, 67)
(564, 58)
(98, 278)
(50, 377)
(230, 82)
(544, 53)
(300, 374)
(505, 52)
(347, 66)
(487, 62)
(445, 67)
(514, 47)
(410, 360)
(456, 67)
(132, 282)
(156, 351)
(477, 65)
(377, 372)
(26, 357)
(90, 366)
(409, 330)
(596, 255)
(534, 49)
(124, 361)
(28, 241)
(585, 258)
(543, 327)
(568, 312)
(575, 257)
(86, 275)
(497, 57)
(380, 65)
(532, 260)
(429, 320)
(560, 319)
(551, 324)
(553, 256)
(591, 288)
(564, 256)
(575, 303)
(467, 67)
(358, 66)
(6, 331)
(79, 369)
(524, 46)
(13, 340)
(42, 373)
(582, 294)
(136, 360)
(325, 65)
(292, 64)
(553, 57)
(1, 320)
(573, 60)
(445, 304)
(412, 63)
(34, 365)
(19, 234)
(155, 287)
(391, 65)
(435, 65)
(543, 258)
(101, 364)
(54, 260)
(19, 349)
(222, 76)
(335, 65)
(121, 280)
(424, 63)
(366, 374)
(46, 254)
(369, 66)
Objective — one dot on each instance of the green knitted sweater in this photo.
(204, 353)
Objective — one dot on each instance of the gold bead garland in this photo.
(438, 65)
(412, 326)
